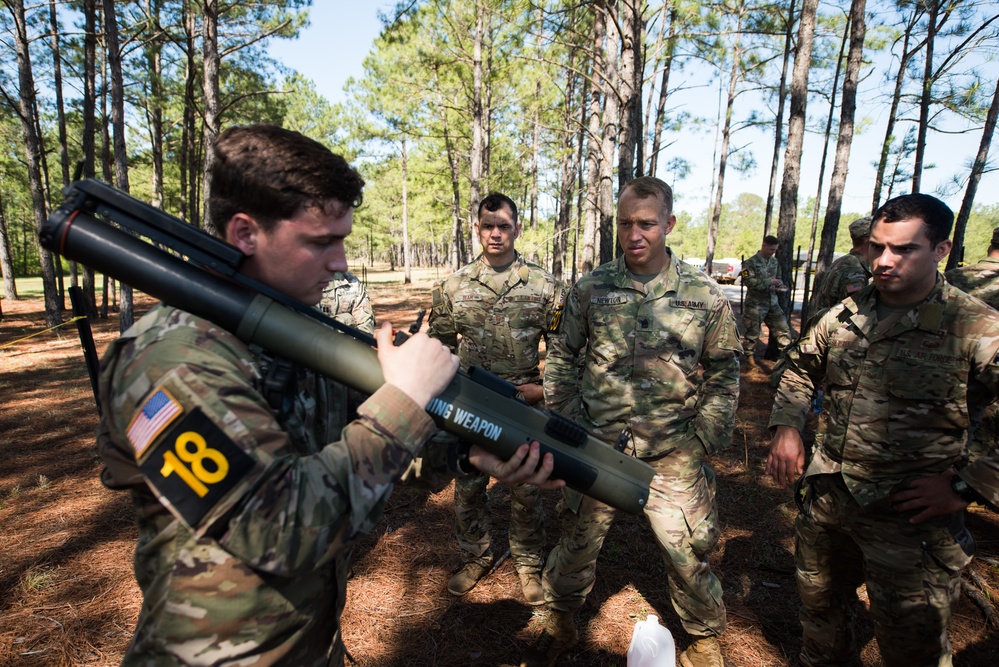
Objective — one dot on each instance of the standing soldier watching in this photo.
(493, 313)
(981, 280)
(660, 374)
(904, 362)
(759, 275)
(848, 274)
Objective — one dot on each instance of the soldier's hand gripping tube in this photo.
(477, 406)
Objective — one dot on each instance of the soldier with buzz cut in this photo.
(346, 300)
(493, 314)
(659, 347)
(904, 362)
(250, 493)
(759, 276)
(848, 274)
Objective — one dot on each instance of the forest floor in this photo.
(68, 595)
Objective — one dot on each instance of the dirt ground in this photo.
(68, 596)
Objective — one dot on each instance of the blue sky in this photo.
(340, 34)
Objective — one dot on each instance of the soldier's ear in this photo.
(519, 228)
(243, 232)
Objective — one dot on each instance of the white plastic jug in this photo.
(651, 645)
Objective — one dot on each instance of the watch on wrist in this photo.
(963, 489)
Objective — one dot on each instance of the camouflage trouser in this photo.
(912, 574)
(754, 313)
(472, 523)
(684, 519)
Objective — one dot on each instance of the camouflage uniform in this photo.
(346, 301)
(897, 403)
(981, 280)
(760, 304)
(247, 514)
(500, 318)
(847, 275)
(643, 347)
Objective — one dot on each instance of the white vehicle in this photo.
(726, 269)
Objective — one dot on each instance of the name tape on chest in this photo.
(688, 303)
(195, 466)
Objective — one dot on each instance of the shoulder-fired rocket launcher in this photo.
(201, 275)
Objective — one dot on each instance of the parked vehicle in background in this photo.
(696, 262)
(726, 270)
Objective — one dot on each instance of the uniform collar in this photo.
(667, 281)
(927, 315)
(519, 270)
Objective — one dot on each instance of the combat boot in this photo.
(703, 652)
(530, 583)
(465, 579)
(558, 635)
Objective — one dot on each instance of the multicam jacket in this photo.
(500, 325)
(246, 517)
(660, 358)
(980, 280)
(757, 273)
(346, 301)
(845, 276)
(896, 401)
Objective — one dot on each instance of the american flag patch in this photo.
(159, 410)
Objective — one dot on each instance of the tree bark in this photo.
(822, 172)
(32, 152)
(212, 121)
(779, 129)
(89, 128)
(609, 138)
(924, 100)
(977, 169)
(589, 255)
(841, 165)
(407, 252)
(6, 260)
(795, 139)
(663, 93)
(733, 84)
(632, 25)
(126, 316)
(475, 159)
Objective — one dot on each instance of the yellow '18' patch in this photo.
(195, 466)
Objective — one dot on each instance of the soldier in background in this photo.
(759, 275)
(981, 280)
(493, 313)
(904, 362)
(346, 300)
(848, 274)
(248, 507)
(660, 374)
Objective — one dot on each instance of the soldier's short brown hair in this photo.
(649, 186)
(935, 214)
(271, 174)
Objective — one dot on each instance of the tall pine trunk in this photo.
(837, 182)
(977, 169)
(32, 151)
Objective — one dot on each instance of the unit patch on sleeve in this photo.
(195, 466)
(158, 412)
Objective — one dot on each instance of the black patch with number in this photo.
(194, 466)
